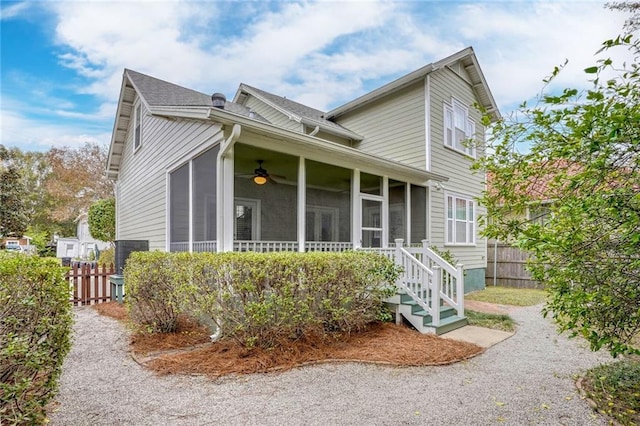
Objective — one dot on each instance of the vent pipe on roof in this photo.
(218, 100)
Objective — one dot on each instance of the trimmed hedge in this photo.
(260, 298)
(35, 335)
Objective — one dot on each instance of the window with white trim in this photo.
(459, 128)
(461, 224)
(137, 132)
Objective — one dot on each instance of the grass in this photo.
(615, 390)
(495, 321)
(509, 296)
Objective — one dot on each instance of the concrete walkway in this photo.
(526, 379)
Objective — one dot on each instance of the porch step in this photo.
(421, 320)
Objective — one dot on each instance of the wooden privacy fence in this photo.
(90, 284)
(507, 265)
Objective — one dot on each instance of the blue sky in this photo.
(62, 61)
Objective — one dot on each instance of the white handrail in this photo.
(446, 282)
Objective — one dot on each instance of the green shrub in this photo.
(35, 329)
(615, 390)
(153, 283)
(107, 256)
(263, 298)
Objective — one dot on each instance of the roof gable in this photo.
(465, 57)
(158, 95)
(295, 111)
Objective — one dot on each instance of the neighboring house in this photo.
(83, 245)
(12, 243)
(198, 173)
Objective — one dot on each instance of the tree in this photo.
(13, 215)
(77, 179)
(102, 220)
(584, 158)
(633, 7)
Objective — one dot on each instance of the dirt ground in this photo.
(189, 351)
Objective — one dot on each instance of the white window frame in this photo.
(453, 139)
(137, 127)
(450, 199)
(317, 225)
(255, 204)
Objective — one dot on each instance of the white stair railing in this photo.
(416, 280)
(451, 277)
(430, 279)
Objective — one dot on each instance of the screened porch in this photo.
(283, 202)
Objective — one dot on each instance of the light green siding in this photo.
(274, 116)
(444, 84)
(141, 185)
(393, 127)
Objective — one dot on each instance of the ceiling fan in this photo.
(260, 175)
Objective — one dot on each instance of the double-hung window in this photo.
(137, 131)
(461, 225)
(459, 128)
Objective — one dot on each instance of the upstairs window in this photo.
(461, 226)
(137, 135)
(459, 128)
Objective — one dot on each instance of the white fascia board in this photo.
(284, 111)
(194, 112)
(123, 86)
(336, 131)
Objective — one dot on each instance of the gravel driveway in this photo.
(527, 379)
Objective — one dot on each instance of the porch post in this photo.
(302, 202)
(385, 212)
(356, 207)
(228, 205)
(407, 203)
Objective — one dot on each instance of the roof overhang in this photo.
(468, 59)
(120, 126)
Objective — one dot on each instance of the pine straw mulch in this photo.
(188, 351)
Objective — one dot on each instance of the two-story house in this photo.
(196, 172)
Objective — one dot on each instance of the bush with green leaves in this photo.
(156, 286)
(35, 335)
(107, 256)
(265, 298)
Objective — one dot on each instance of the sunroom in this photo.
(265, 189)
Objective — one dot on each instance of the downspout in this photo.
(315, 131)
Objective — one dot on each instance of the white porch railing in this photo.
(206, 246)
(264, 246)
(181, 246)
(328, 245)
(428, 278)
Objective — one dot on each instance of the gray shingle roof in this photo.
(311, 115)
(158, 92)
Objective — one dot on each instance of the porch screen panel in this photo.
(370, 184)
(328, 208)
(397, 210)
(418, 213)
(179, 209)
(204, 200)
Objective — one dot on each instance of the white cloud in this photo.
(14, 10)
(34, 135)
(322, 53)
(520, 44)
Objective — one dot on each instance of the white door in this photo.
(246, 220)
(371, 224)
